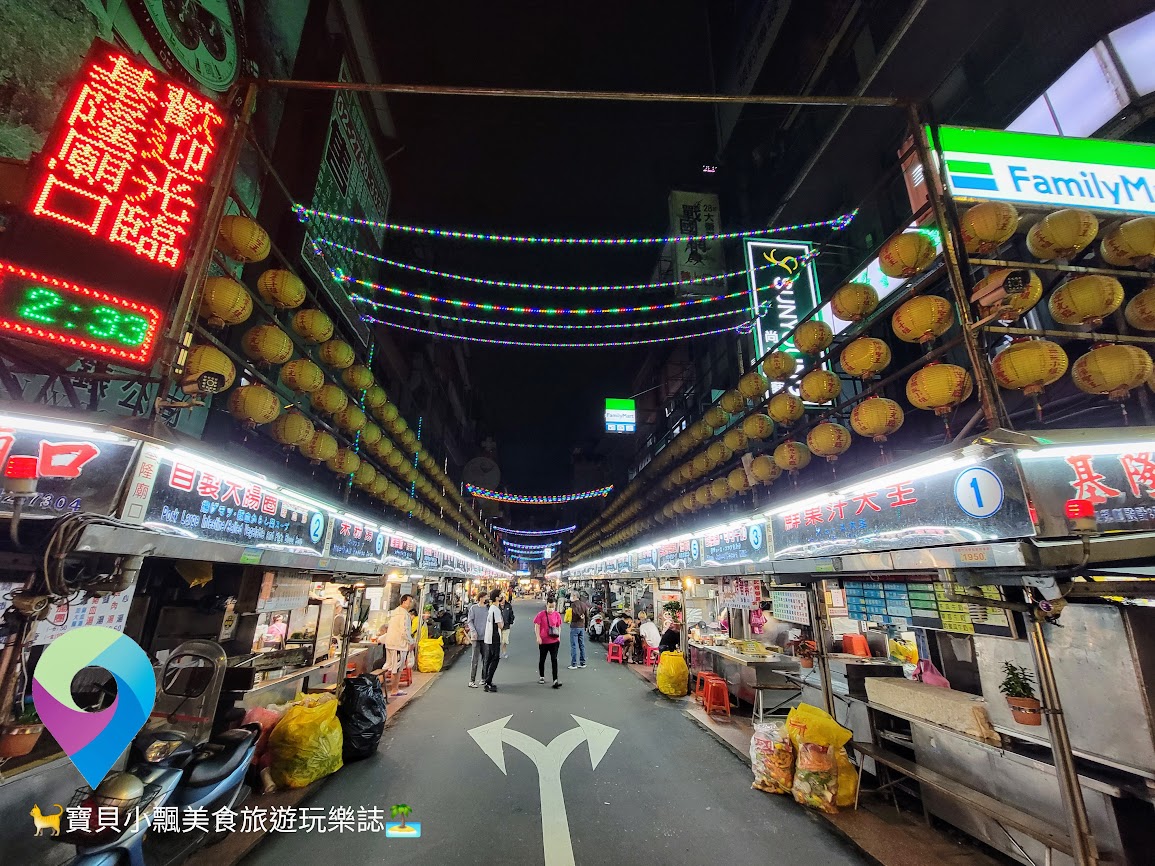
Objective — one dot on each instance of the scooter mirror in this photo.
(187, 676)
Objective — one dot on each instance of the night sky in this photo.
(545, 167)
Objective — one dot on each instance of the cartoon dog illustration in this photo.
(47, 822)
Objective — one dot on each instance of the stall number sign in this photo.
(620, 416)
(1050, 170)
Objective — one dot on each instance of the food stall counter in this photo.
(743, 671)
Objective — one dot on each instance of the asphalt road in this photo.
(664, 791)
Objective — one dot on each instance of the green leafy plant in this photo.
(1018, 682)
(401, 810)
(673, 608)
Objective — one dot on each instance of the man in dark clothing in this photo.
(579, 616)
(507, 618)
(672, 640)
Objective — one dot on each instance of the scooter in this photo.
(597, 627)
(175, 761)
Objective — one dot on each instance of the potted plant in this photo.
(1018, 686)
(19, 736)
(805, 651)
(674, 609)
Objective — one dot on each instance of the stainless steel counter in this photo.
(741, 671)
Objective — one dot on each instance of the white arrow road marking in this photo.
(555, 833)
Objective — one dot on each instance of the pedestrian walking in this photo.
(579, 613)
(547, 628)
(507, 621)
(476, 623)
(398, 643)
(493, 626)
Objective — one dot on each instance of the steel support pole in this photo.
(1082, 842)
(952, 260)
(817, 615)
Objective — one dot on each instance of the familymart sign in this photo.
(1050, 170)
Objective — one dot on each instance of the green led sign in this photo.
(1049, 170)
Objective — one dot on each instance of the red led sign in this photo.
(87, 321)
(129, 162)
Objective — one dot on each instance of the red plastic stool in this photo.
(614, 653)
(717, 696)
(704, 677)
(653, 655)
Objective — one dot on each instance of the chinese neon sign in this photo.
(48, 309)
(129, 160)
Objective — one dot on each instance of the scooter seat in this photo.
(234, 751)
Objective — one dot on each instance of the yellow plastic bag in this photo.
(569, 615)
(430, 655)
(807, 724)
(673, 675)
(306, 745)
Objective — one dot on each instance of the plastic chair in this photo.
(717, 696)
(614, 653)
(653, 655)
(703, 679)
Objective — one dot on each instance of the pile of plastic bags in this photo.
(306, 744)
(430, 654)
(805, 756)
(673, 675)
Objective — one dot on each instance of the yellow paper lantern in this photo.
(779, 366)
(313, 325)
(737, 480)
(357, 377)
(1132, 243)
(737, 439)
(292, 428)
(702, 464)
(988, 225)
(876, 417)
(791, 456)
(719, 453)
(906, 254)
(865, 357)
(699, 432)
(752, 385)
(380, 485)
(1086, 300)
(1062, 234)
(350, 419)
(1029, 365)
(854, 302)
(784, 409)
(820, 386)
(344, 462)
(337, 354)
(1140, 312)
(720, 489)
(922, 319)
(302, 376)
(758, 426)
(207, 370)
(1111, 369)
(813, 337)
(688, 503)
(716, 417)
(704, 496)
(382, 449)
(281, 289)
(320, 447)
(765, 469)
(828, 440)
(365, 476)
(939, 386)
(243, 240)
(329, 399)
(732, 402)
(1011, 291)
(387, 414)
(225, 301)
(254, 405)
(370, 434)
(267, 344)
(375, 396)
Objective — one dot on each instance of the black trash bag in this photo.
(362, 715)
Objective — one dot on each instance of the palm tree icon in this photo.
(401, 810)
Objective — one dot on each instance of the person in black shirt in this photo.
(672, 640)
(623, 634)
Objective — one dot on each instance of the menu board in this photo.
(790, 606)
(925, 605)
(742, 594)
(741, 544)
(109, 611)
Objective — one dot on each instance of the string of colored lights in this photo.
(532, 531)
(534, 311)
(304, 214)
(743, 328)
(513, 546)
(520, 499)
(550, 287)
(549, 326)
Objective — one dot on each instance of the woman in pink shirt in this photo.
(547, 628)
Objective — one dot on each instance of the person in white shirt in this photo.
(398, 642)
(494, 623)
(649, 630)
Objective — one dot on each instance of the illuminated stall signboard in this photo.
(121, 187)
(621, 416)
